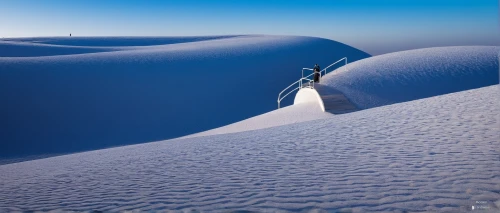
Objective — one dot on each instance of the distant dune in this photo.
(90, 93)
(23, 49)
(54, 46)
(414, 74)
(119, 41)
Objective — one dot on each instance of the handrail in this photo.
(305, 69)
(345, 67)
(308, 76)
(325, 69)
(300, 81)
(299, 87)
(279, 99)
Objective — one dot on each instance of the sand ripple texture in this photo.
(436, 154)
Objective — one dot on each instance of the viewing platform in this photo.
(330, 99)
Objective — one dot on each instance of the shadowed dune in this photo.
(69, 103)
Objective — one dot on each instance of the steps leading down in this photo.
(334, 101)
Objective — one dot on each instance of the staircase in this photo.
(333, 100)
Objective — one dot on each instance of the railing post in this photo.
(309, 84)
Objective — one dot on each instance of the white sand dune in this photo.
(23, 49)
(414, 74)
(81, 94)
(116, 41)
(56, 46)
(414, 147)
(435, 154)
(287, 115)
(388, 79)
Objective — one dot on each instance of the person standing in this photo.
(316, 73)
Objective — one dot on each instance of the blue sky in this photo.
(374, 26)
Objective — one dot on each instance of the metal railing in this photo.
(300, 84)
(309, 82)
(345, 65)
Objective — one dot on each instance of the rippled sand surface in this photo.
(436, 154)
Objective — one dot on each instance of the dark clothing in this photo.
(316, 73)
(316, 77)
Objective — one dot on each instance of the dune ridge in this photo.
(69, 103)
(415, 74)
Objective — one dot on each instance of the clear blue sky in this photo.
(375, 26)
